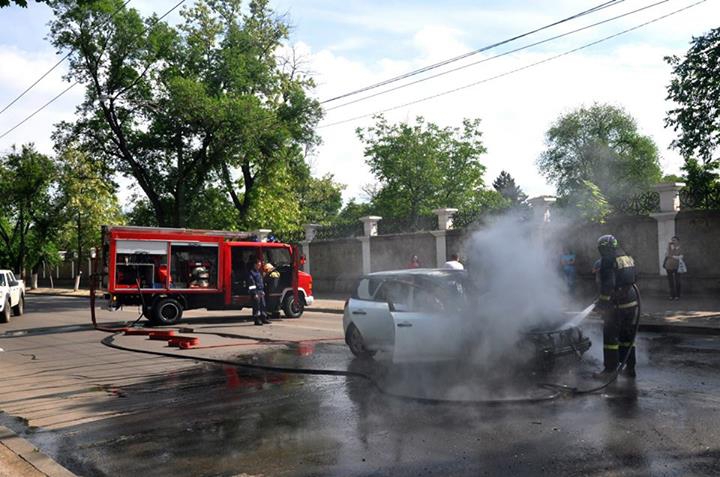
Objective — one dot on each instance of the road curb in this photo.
(30, 454)
(325, 310)
(666, 328)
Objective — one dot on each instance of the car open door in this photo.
(421, 329)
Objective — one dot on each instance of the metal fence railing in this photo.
(290, 236)
(340, 230)
(407, 225)
(705, 199)
(644, 203)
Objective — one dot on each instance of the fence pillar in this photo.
(370, 230)
(445, 218)
(445, 223)
(262, 234)
(440, 247)
(310, 232)
(541, 207)
(669, 208)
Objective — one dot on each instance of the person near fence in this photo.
(567, 263)
(454, 263)
(674, 266)
(414, 262)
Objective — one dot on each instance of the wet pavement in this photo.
(212, 419)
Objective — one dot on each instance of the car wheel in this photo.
(19, 309)
(5, 315)
(167, 311)
(291, 307)
(356, 343)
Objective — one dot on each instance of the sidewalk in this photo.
(19, 458)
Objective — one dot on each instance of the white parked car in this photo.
(12, 296)
(421, 315)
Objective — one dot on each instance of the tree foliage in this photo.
(89, 201)
(30, 208)
(189, 109)
(599, 145)
(505, 185)
(423, 166)
(695, 88)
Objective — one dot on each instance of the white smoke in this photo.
(515, 264)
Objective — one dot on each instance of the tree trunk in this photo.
(180, 219)
(79, 244)
(52, 284)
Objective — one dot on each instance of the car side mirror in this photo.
(302, 260)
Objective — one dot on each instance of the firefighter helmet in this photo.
(607, 244)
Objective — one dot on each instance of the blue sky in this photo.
(351, 44)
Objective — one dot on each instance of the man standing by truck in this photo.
(256, 287)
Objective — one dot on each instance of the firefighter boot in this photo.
(265, 319)
(625, 349)
(258, 321)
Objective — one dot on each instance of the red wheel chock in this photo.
(184, 342)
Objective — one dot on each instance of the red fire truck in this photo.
(167, 270)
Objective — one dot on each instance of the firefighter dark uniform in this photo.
(257, 292)
(619, 305)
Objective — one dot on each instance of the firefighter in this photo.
(256, 288)
(618, 303)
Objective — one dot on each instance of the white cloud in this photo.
(516, 110)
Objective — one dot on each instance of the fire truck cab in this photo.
(167, 271)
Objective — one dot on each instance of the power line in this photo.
(500, 55)
(60, 61)
(78, 82)
(474, 52)
(522, 68)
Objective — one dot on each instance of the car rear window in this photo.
(366, 288)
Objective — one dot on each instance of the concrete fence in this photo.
(336, 264)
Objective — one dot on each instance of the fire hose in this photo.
(576, 391)
(558, 390)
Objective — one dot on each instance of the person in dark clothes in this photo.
(256, 288)
(618, 303)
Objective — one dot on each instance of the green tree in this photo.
(505, 185)
(320, 199)
(89, 201)
(20, 3)
(671, 178)
(186, 109)
(599, 145)
(29, 207)
(423, 166)
(702, 185)
(695, 88)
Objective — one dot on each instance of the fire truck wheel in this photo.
(291, 308)
(5, 315)
(167, 311)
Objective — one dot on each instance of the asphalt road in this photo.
(101, 411)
